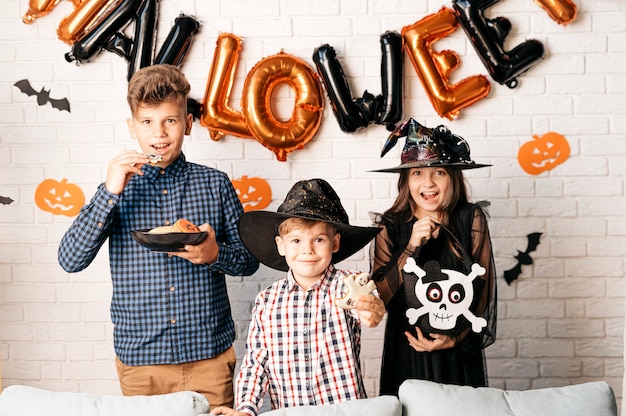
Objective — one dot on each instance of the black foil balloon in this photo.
(487, 37)
(194, 107)
(177, 43)
(104, 35)
(391, 79)
(354, 114)
(346, 111)
(145, 32)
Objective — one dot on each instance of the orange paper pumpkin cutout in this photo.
(254, 193)
(59, 198)
(544, 153)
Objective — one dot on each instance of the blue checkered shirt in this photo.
(165, 310)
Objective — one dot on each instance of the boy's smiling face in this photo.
(308, 251)
(161, 129)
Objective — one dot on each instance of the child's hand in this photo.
(223, 410)
(423, 230)
(203, 253)
(122, 168)
(423, 344)
(371, 310)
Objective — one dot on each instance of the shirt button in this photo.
(100, 224)
(172, 288)
(162, 172)
(110, 202)
(165, 192)
(167, 222)
(306, 357)
(173, 321)
(305, 331)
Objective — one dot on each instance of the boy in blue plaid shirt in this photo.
(173, 328)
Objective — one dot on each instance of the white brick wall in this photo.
(561, 322)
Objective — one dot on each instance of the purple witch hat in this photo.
(428, 147)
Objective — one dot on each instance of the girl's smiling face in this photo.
(430, 189)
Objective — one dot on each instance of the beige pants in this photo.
(213, 378)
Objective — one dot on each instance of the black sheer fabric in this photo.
(465, 363)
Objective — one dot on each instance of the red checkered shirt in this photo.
(301, 347)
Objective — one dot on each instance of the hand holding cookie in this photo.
(122, 167)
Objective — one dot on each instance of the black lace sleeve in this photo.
(388, 255)
(483, 255)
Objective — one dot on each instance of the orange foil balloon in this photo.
(38, 8)
(278, 136)
(74, 25)
(561, 11)
(434, 68)
(217, 115)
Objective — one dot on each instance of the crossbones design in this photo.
(444, 294)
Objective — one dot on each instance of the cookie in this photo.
(357, 284)
(154, 159)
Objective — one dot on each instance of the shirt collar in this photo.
(321, 284)
(176, 168)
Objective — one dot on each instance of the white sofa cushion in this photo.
(426, 398)
(376, 406)
(31, 401)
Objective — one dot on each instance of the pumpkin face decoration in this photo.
(253, 193)
(544, 153)
(59, 198)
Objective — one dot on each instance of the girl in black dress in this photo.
(432, 219)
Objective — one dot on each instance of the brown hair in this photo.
(157, 84)
(294, 223)
(404, 206)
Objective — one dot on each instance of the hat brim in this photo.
(257, 230)
(460, 165)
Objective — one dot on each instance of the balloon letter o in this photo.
(265, 76)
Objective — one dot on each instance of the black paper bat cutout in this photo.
(5, 200)
(43, 96)
(522, 258)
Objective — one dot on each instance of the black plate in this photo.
(167, 242)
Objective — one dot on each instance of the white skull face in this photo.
(444, 295)
(445, 300)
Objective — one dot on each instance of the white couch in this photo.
(425, 398)
(31, 401)
(416, 398)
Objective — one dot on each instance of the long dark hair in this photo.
(404, 206)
